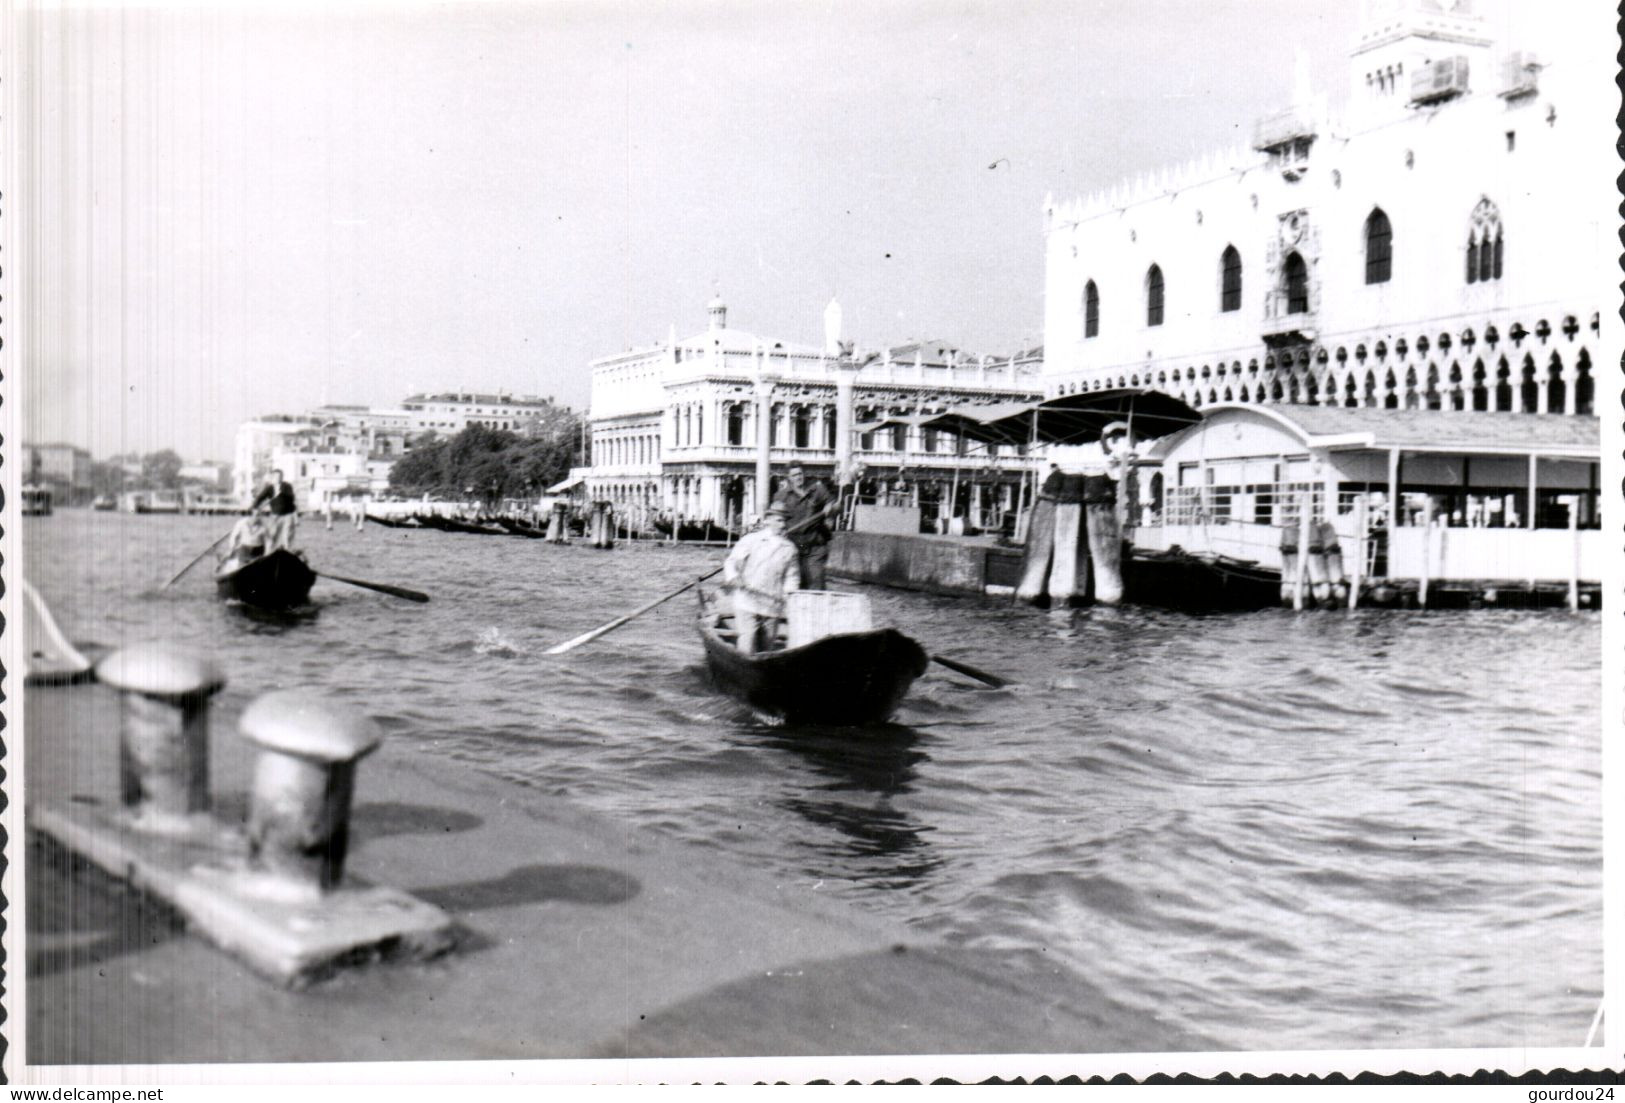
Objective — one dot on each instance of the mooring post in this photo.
(299, 816)
(1574, 562)
(1305, 522)
(1427, 551)
(1358, 574)
(163, 733)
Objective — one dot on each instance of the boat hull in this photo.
(279, 580)
(847, 679)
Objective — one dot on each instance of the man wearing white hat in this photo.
(762, 568)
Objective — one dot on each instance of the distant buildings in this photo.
(340, 451)
(1442, 244)
(63, 467)
(675, 425)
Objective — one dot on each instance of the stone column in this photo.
(846, 374)
(764, 441)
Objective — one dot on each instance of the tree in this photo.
(492, 464)
(161, 470)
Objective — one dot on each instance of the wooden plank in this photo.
(291, 937)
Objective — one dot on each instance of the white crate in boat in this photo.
(814, 614)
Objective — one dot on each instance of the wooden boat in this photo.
(850, 678)
(278, 580)
(48, 657)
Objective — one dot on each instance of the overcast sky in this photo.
(246, 211)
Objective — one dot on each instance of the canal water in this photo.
(1278, 830)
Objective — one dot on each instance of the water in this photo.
(1278, 831)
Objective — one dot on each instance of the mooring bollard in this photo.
(558, 525)
(163, 733)
(299, 816)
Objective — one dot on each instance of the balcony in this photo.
(1284, 326)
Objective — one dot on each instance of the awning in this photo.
(567, 485)
(1070, 419)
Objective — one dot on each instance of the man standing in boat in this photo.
(807, 507)
(762, 568)
(277, 494)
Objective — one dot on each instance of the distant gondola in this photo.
(278, 580)
(846, 679)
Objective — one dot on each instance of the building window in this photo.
(802, 427)
(1484, 243)
(1091, 310)
(1230, 295)
(1153, 296)
(1379, 248)
(736, 423)
(1296, 276)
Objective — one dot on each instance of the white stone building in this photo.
(1446, 240)
(675, 426)
(449, 413)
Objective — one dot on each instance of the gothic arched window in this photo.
(1091, 310)
(1484, 243)
(1295, 274)
(1153, 296)
(1379, 248)
(1230, 286)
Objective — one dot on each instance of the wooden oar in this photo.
(392, 591)
(588, 637)
(971, 672)
(193, 563)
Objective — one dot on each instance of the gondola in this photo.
(847, 679)
(278, 580)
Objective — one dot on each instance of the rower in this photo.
(245, 543)
(762, 568)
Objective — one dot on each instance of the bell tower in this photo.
(1409, 52)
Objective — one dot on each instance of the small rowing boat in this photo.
(278, 580)
(847, 678)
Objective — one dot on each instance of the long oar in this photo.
(971, 672)
(588, 637)
(392, 591)
(193, 563)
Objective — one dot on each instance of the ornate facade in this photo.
(676, 426)
(1445, 242)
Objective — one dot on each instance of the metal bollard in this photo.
(299, 816)
(163, 733)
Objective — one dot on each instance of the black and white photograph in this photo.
(570, 541)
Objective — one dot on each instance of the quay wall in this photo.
(932, 563)
(580, 939)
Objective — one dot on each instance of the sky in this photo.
(249, 210)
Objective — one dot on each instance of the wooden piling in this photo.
(1574, 562)
(1301, 575)
(1358, 574)
(1427, 552)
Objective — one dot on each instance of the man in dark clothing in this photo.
(277, 494)
(808, 506)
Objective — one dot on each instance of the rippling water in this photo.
(1276, 830)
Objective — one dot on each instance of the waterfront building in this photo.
(339, 451)
(449, 413)
(252, 450)
(65, 467)
(678, 426)
(1442, 241)
(1464, 499)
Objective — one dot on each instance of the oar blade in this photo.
(381, 587)
(971, 672)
